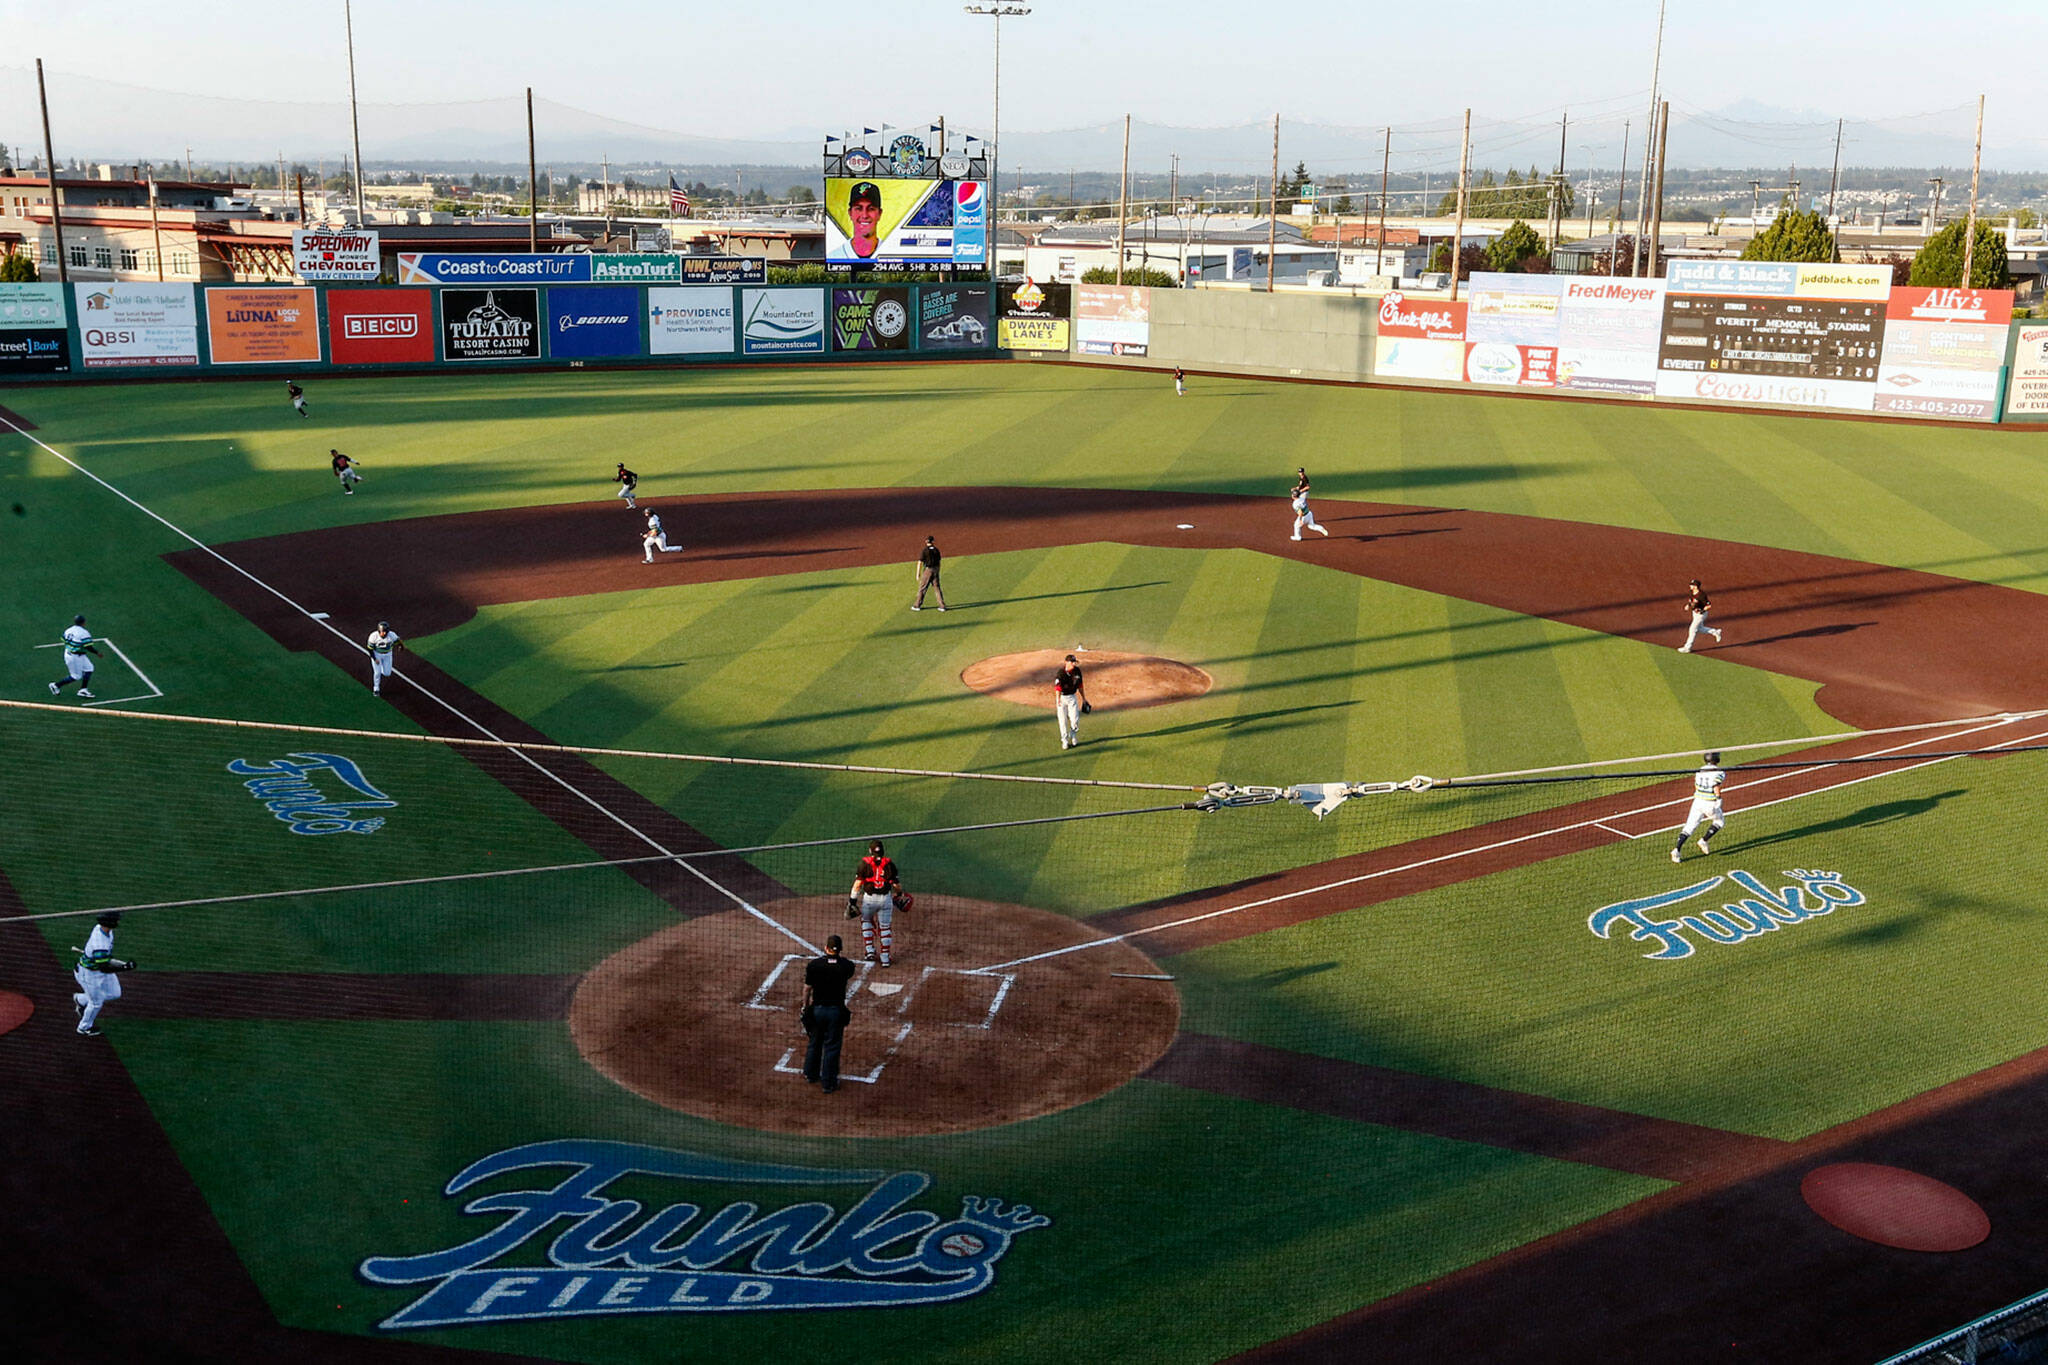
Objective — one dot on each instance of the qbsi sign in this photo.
(590, 321)
(490, 324)
(380, 326)
(137, 324)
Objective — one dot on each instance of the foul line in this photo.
(471, 721)
(151, 695)
(1508, 843)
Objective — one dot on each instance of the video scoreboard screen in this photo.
(1781, 338)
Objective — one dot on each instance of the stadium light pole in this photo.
(995, 132)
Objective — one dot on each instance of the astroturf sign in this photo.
(600, 1258)
(1761, 911)
(290, 788)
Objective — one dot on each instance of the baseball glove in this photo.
(852, 908)
(904, 900)
(1086, 708)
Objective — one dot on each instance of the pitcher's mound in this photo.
(1115, 681)
(702, 1018)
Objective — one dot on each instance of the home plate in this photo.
(1185, 526)
(886, 988)
(319, 615)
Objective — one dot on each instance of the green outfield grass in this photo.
(1188, 1226)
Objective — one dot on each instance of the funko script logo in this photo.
(603, 1258)
(286, 788)
(1762, 911)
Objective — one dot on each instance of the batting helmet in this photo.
(1714, 757)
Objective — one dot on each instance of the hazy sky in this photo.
(800, 67)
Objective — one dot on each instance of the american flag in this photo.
(678, 202)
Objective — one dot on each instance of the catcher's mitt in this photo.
(852, 908)
(904, 900)
(1087, 707)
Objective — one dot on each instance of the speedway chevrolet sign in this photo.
(325, 254)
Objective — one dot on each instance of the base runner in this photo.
(97, 973)
(382, 644)
(78, 656)
(1706, 806)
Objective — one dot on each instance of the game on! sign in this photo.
(380, 326)
(327, 254)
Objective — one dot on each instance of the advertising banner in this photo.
(415, 267)
(782, 321)
(262, 326)
(343, 254)
(887, 220)
(1420, 339)
(490, 324)
(2028, 392)
(1732, 277)
(1519, 310)
(596, 321)
(724, 269)
(1112, 319)
(1033, 317)
(1808, 352)
(1607, 333)
(636, 268)
(1944, 351)
(380, 326)
(871, 319)
(35, 350)
(691, 321)
(953, 319)
(1497, 362)
(137, 324)
(1822, 281)
(31, 305)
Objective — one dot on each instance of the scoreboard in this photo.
(1822, 339)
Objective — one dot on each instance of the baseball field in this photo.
(478, 1040)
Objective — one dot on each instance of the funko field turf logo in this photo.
(1762, 911)
(289, 789)
(602, 1257)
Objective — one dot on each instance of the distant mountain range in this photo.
(100, 120)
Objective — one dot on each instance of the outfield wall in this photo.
(1749, 335)
(126, 330)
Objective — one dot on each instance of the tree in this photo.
(1133, 274)
(1792, 236)
(2026, 219)
(17, 268)
(1940, 263)
(1471, 260)
(1623, 254)
(1518, 244)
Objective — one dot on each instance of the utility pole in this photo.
(1379, 248)
(50, 164)
(355, 126)
(1970, 232)
(156, 239)
(1756, 204)
(1273, 212)
(1656, 71)
(1620, 192)
(1123, 200)
(1657, 223)
(1835, 176)
(1458, 235)
(1933, 204)
(532, 182)
(1557, 183)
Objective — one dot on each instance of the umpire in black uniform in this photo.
(824, 1014)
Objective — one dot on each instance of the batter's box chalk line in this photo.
(788, 1063)
(151, 695)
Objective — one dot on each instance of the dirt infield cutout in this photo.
(1116, 681)
(702, 1018)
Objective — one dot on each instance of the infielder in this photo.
(876, 896)
(383, 644)
(78, 656)
(1070, 701)
(656, 538)
(1302, 516)
(1706, 805)
(297, 395)
(1696, 605)
(345, 467)
(97, 974)
(627, 481)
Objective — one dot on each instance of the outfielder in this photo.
(656, 538)
(627, 481)
(78, 656)
(297, 395)
(383, 644)
(1302, 516)
(1180, 383)
(1696, 605)
(876, 896)
(345, 467)
(97, 974)
(1706, 805)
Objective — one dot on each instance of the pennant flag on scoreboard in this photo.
(678, 202)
